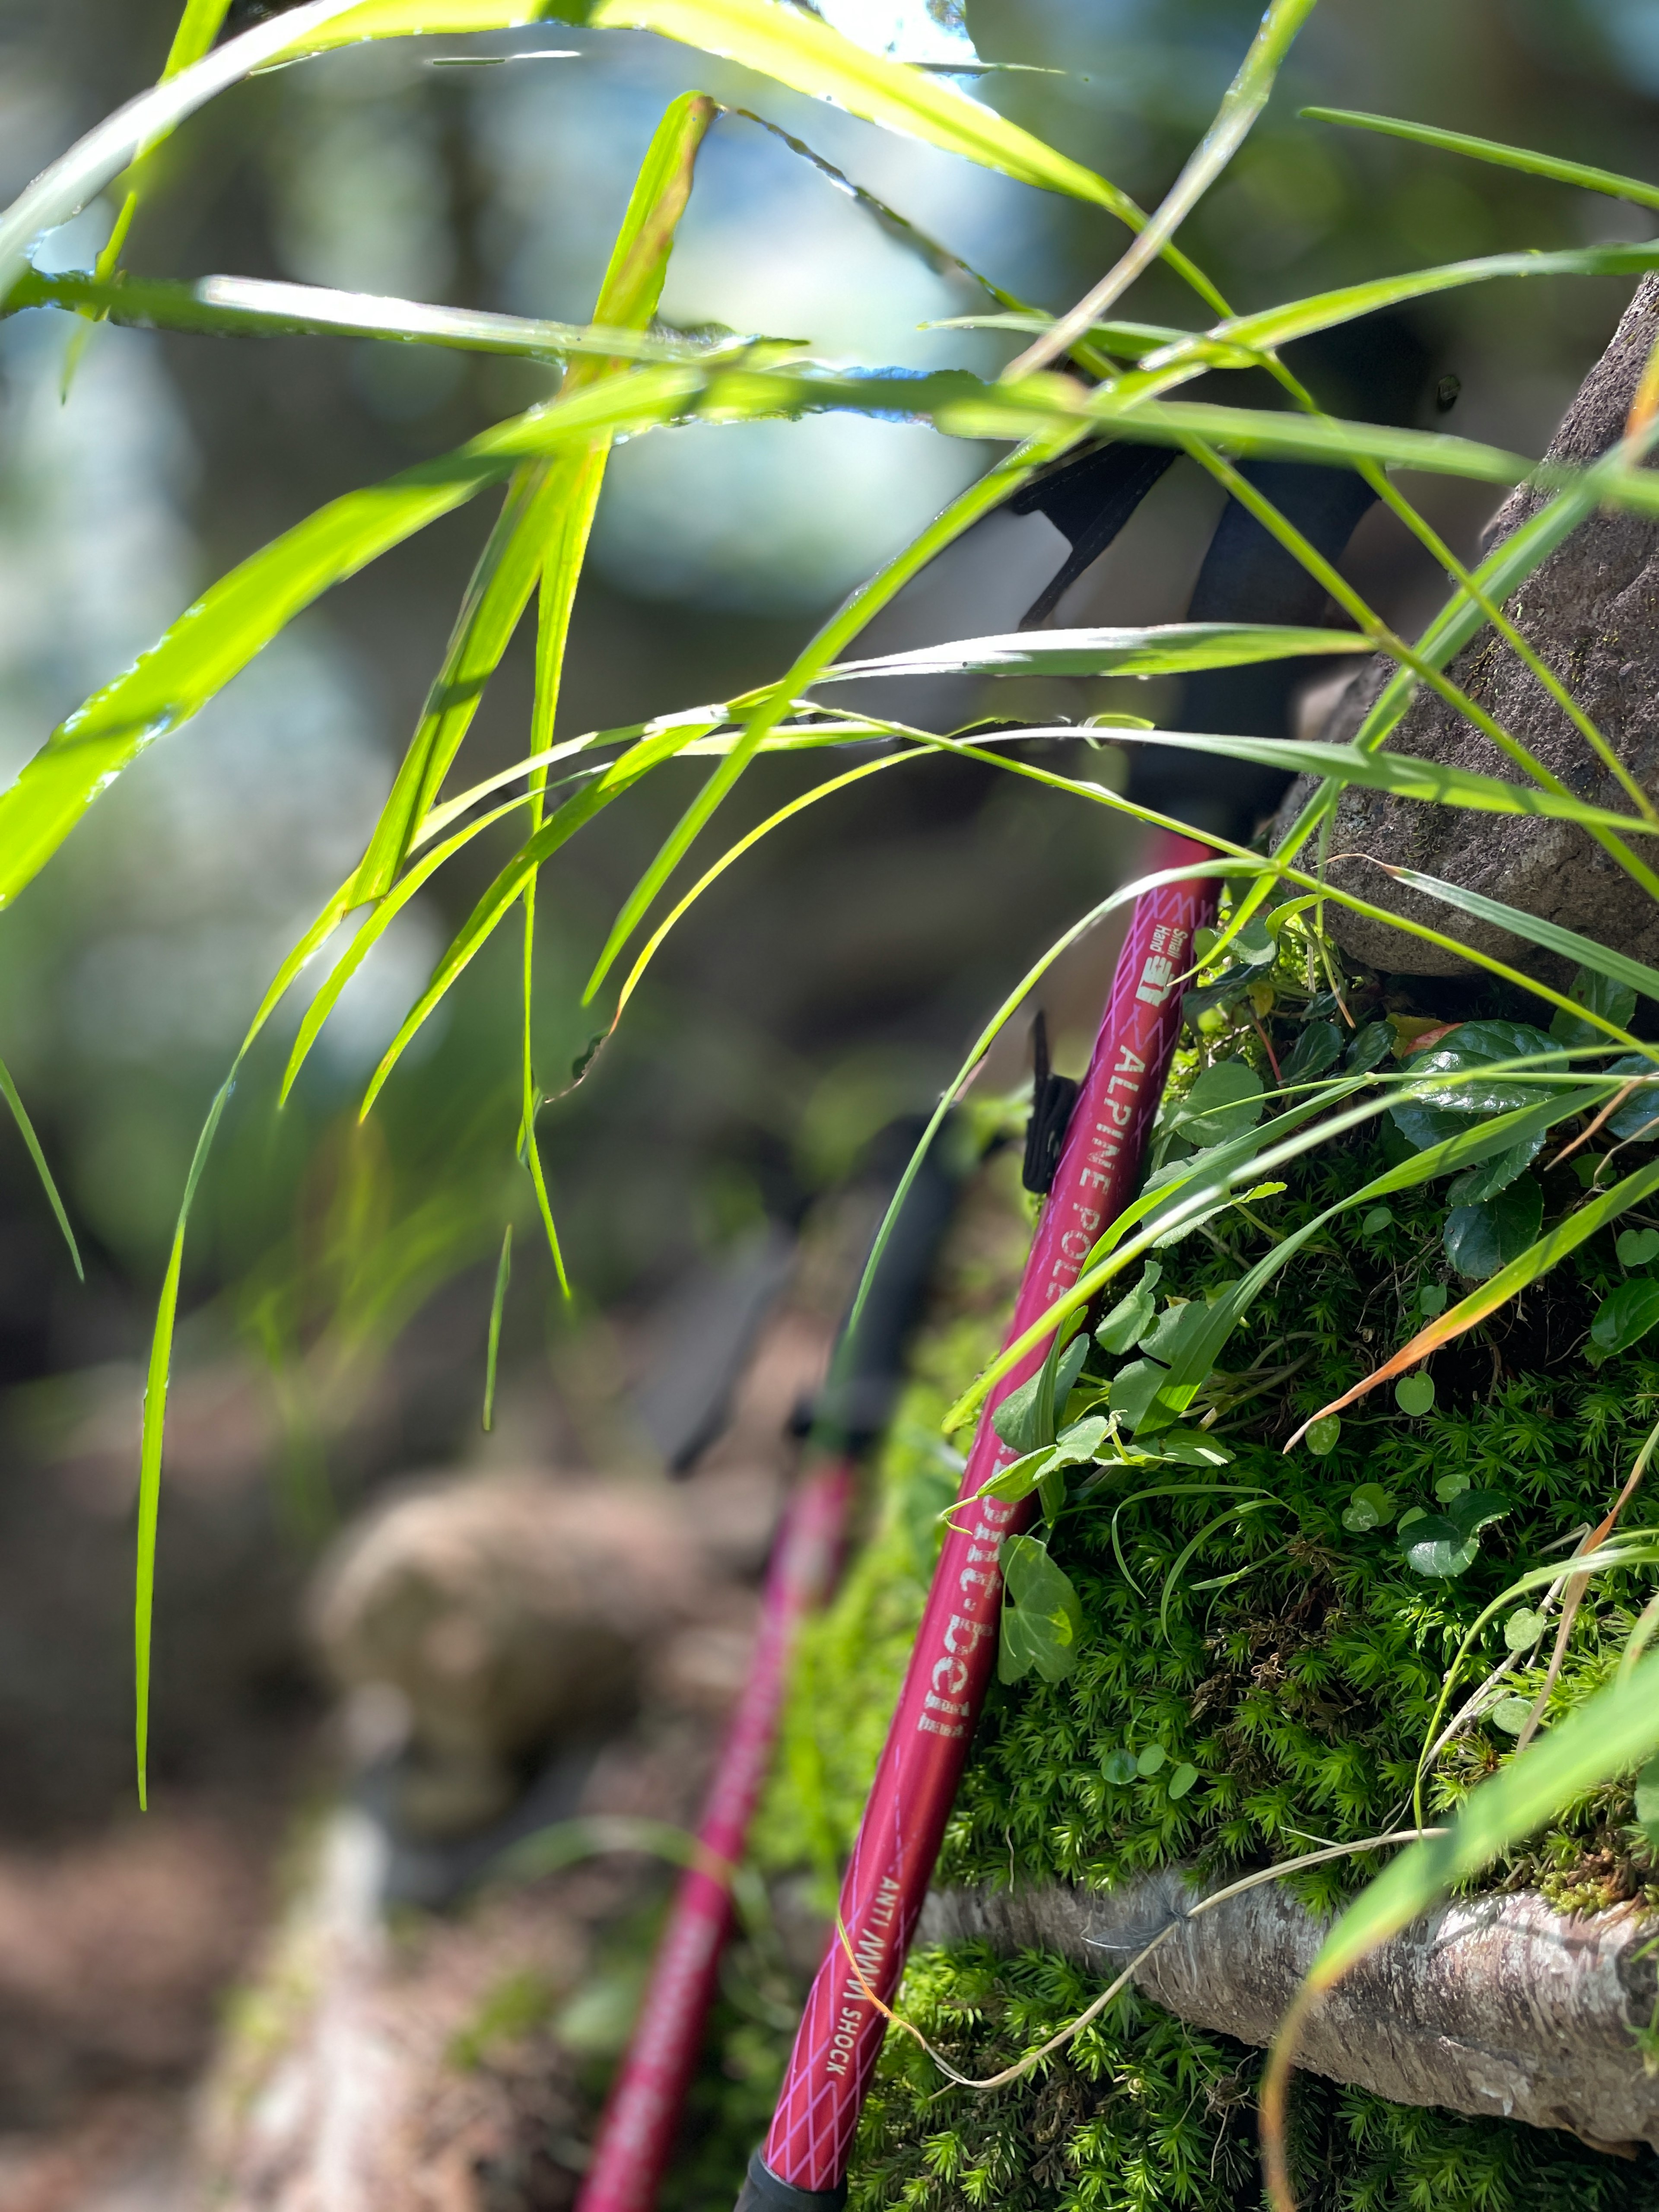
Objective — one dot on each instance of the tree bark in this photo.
(1497, 2006)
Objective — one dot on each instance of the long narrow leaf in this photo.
(1166, 649)
(1634, 188)
(249, 306)
(1508, 1283)
(1600, 959)
(1242, 102)
(25, 1130)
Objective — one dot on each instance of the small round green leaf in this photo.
(1638, 1246)
(1523, 1628)
(1322, 1436)
(1432, 1300)
(1414, 1393)
(1450, 1486)
(1119, 1766)
(1510, 1714)
(1182, 1779)
(1371, 1507)
(1152, 1757)
(1379, 1218)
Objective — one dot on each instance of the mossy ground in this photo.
(1293, 1663)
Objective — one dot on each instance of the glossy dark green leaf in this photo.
(1482, 1238)
(1369, 1048)
(1041, 1617)
(1602, 995)
(1478, 1183)
(1640, 1111)
(1625, 1315)
(1432, 1112)
(1319, 1047)
(1132, 1316)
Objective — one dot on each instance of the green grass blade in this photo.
(497, 1307)
(385, 910)
(210, 643)
(1401, 774)
(629, 296)
(1242, 103)
(801, 51)
(250, 307)
(150, 1463)
(505, 892)
(1489, 149)
(978, 499)
(1246, 335)
(65, 186)
(25, 1130)
(199, 26)
(1508, 1283)
(793, 48)
(496, 597)
(1600, 959)
(1166, 649)
(745, 844)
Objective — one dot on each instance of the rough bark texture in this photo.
(1589, 612)
(1497, 2006)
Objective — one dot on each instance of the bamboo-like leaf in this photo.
(548, 511)
(25, 1130)
(498, 900)
(1246, 336)
(209, 644)
(63, 188)
(199, 26)
(161, 1351)
(1600, 959)
(1403, 775)
(497, 1307)
(223, 630)
(385, 911)
(1491, 149)
(1166, 649)
(966, 509)
(1497, 1290)
(251, 306)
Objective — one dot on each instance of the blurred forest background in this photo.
(338, 1282)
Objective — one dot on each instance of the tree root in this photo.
(1497, 2006)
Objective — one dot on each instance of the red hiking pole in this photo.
(802, 2167)
(637, 2134)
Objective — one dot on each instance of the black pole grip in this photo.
(762, 2191)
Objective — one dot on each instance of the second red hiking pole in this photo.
(802, 2167)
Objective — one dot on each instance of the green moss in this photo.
(1142, 2114)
